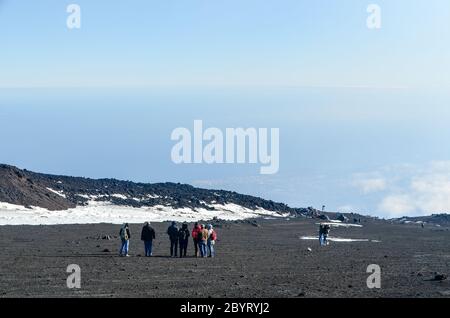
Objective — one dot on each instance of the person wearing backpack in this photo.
(195, 237)
(125, 237)
(183, 238)
(148, 235)
(212, 237)
(172, 231)
(203, 241)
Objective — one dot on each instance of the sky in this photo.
(363, 113)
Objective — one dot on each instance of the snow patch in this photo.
(92, 197)
(105, 212)
(340, 224)
(60, 193)
(119, 196)
(339, 239)
(336, 221)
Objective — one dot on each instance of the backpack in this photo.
(213, 236)
(124, 234)
(204, 235)
(184, 234)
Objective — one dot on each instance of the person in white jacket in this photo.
(212, 237)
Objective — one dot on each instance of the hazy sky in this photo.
(363, 114)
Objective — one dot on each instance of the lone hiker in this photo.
(148, 235)
(183, 237)
(212, 237)
(125, 238)
(172, 231)
(324, 231)
(203, 241)
(196, 231)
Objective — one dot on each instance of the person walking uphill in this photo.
(183, 237)
(125, 237)
(196, 231)
(148, 235)
(212, 237)
(172, 231)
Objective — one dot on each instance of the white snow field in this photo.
(105, 212)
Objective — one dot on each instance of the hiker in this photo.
(321, 234)
(172, 231)
(195, 237)
(324, 231)
(203, 241)
(148, 235)
(125, 237)
(212, 237)
(183, 237)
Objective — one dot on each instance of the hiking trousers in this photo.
(173, 247)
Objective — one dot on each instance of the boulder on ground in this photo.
(439, 277)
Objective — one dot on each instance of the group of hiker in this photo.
(204, 239)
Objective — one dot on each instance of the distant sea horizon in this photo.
(362, 150)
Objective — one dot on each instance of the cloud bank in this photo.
(408, 190)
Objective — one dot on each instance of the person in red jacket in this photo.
(195, 236)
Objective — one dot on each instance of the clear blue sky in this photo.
(363, 114)
(233, 42)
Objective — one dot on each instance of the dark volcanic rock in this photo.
(54, 192)
(439, 277)
(435, 219)
(18, 187)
